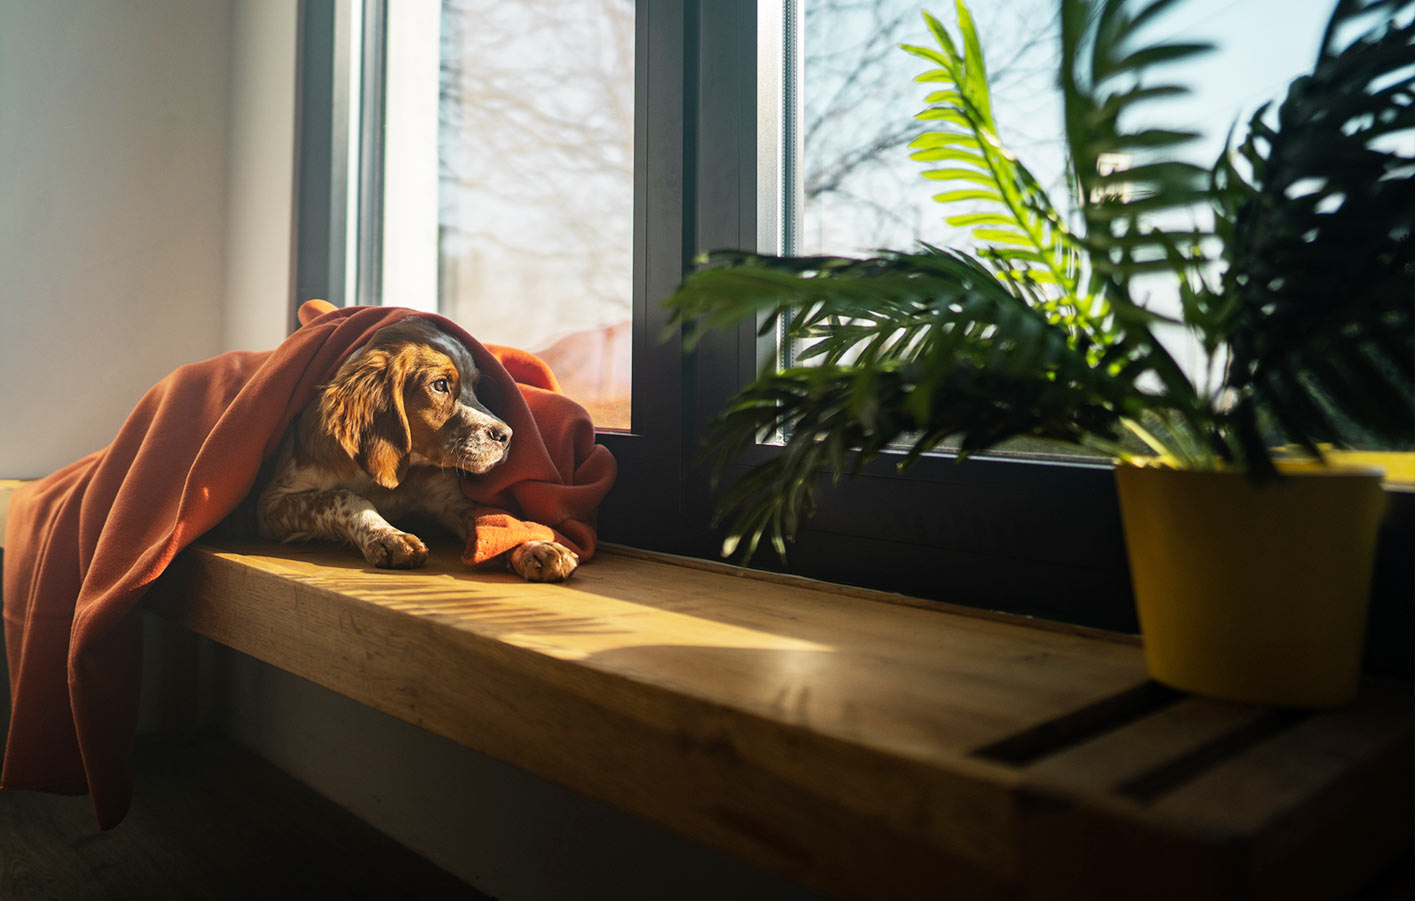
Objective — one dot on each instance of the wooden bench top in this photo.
(862, 743)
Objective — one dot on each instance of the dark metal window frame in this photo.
(323, 130)
(373, 95)
(321, 178)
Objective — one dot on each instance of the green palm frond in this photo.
(1023, 237)
(1319, 247)
(913, 350)
(1136, 200)
(1125, 182)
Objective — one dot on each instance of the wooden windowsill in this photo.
(862, 743)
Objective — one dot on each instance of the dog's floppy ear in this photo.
(363, 409)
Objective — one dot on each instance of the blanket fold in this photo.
(83, 544)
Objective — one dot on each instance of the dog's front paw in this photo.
(391, 549)
(542, 561)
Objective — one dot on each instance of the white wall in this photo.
(260, 174)
(112, 212)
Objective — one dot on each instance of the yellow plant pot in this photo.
(1253, 593)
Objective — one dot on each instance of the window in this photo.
(559, 165)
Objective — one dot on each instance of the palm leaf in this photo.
(1321, 264)
(1103, 77)
(939, 349)
(1020, 213)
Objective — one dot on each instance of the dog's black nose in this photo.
(499, 433)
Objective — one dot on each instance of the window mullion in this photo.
(646, 507)
(321, 221)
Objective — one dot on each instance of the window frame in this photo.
(333, 258)
(321, 171)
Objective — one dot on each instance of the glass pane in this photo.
(535, 153)
(861, 192)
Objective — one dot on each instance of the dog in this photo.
(387, 438)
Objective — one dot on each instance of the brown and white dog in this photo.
(385, 439)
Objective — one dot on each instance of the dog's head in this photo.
(409, 395)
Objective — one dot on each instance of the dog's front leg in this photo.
(340, 515)
(438, 493)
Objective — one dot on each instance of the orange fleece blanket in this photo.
(83, 544)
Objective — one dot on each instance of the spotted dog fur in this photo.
(385, 439)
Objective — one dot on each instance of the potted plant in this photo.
(1300, 294)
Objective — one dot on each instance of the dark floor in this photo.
(210, 820)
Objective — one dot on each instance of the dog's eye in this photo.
(440, 386)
